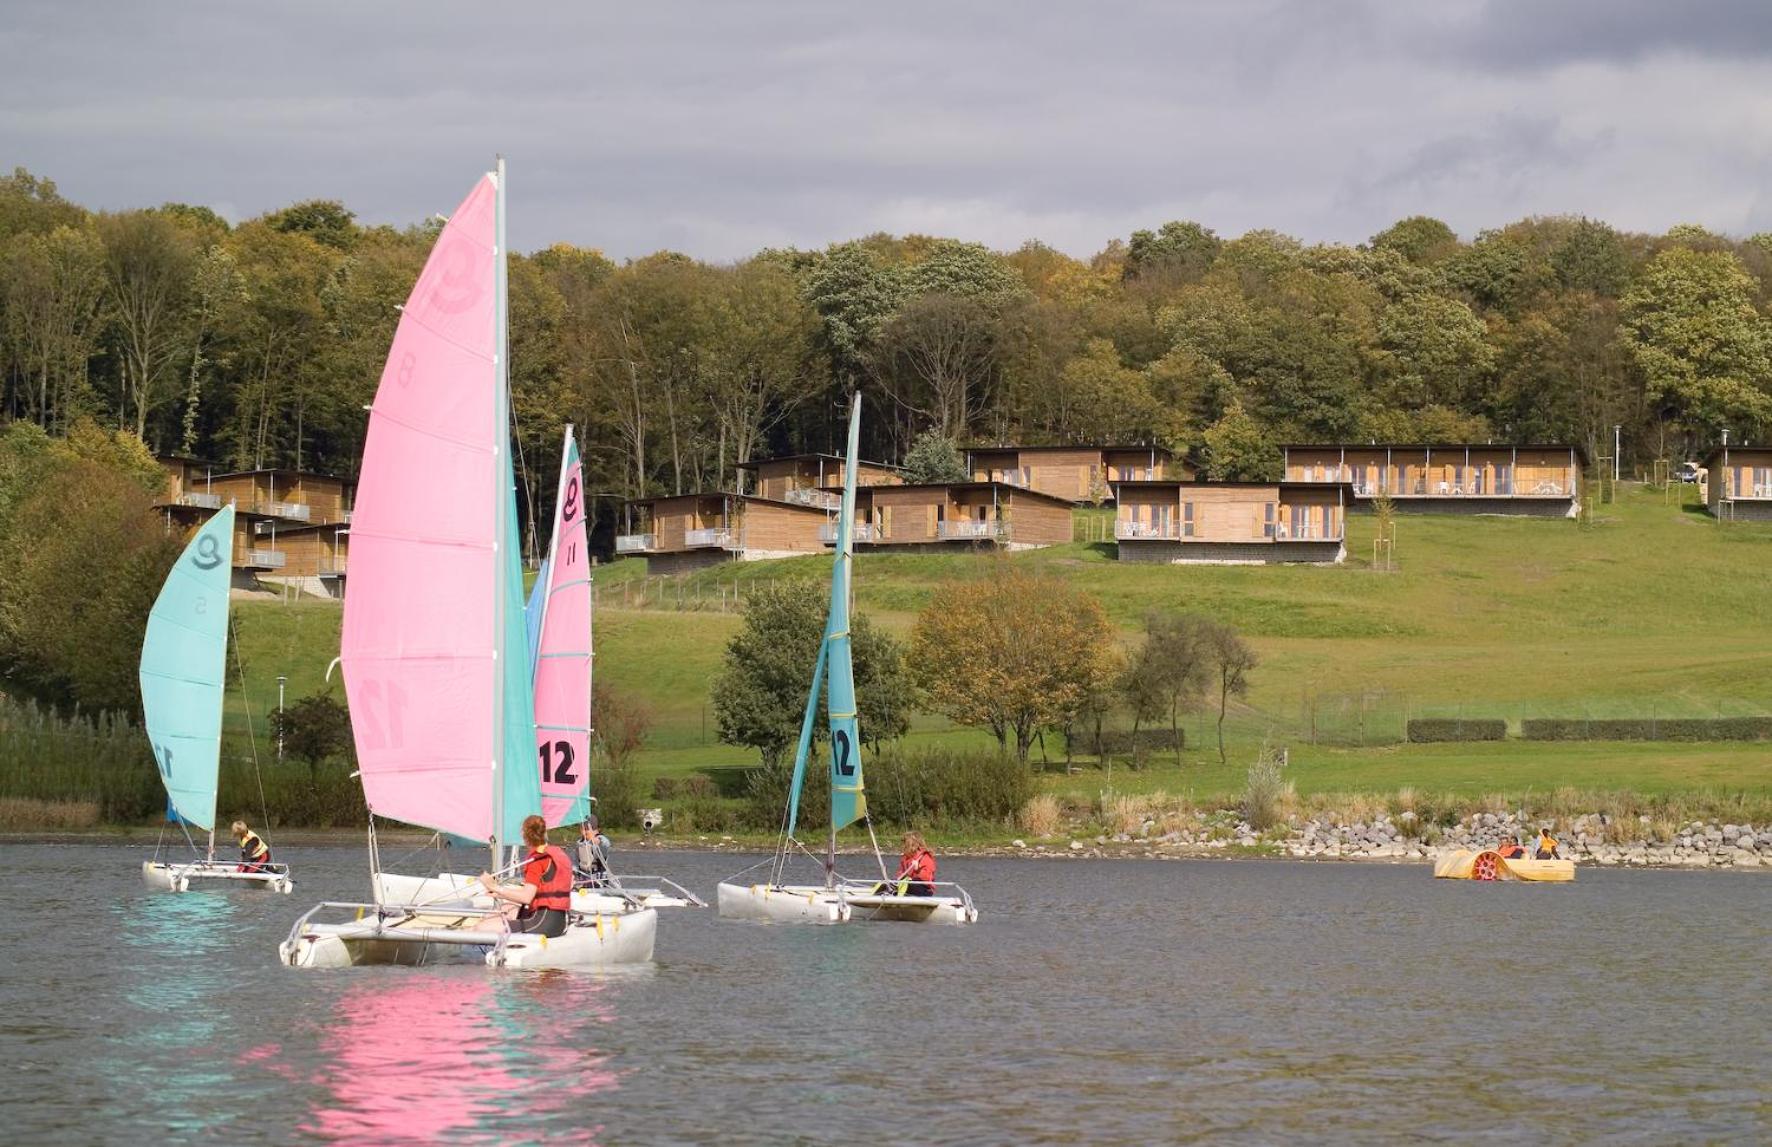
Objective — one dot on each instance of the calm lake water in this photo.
(1097, 1002)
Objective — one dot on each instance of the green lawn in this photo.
(1652, 610)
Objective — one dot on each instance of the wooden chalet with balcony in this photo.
(957, 514)
(813, 479)
(1077, 474)
(1449, 478)
(274, 509)
(1738, 483)
(1230, 522)
(685, 532)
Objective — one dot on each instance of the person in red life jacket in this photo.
(1511, 850)
(540, 902)
(916, 867)
(255, 854)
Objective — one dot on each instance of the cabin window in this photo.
(1187, 519)
(1267, 527)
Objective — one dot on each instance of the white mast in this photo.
(501, 443)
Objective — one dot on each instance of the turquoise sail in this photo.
(184, 661)
(532, 613)
(849, 802)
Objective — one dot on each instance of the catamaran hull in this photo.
(1490, 865)
(912, 909)
(182, 877)
(451, 888)
(777, 904)
(591, 942)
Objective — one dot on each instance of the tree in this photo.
(623, 721)
(1230, 659)
(1421, 239)
(54, 308)
(1442, 351)
(1175, 253)
(1238, 450)
(759, 696)
(1015, 652)
(1108, 401)
(1704, 349)
(933, 458)
(1171, 669)
(315, 729)
(762, 333)
(148, 272)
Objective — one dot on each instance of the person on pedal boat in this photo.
(916, 867)
(1511, 850)
(593, 854)
(1547, 846)
(540, 902)
(255, 854)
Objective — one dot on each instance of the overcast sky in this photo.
(720, 128)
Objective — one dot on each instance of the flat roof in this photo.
(1023, 491)
(727, 494)
(278, 471)
(1717, 452)
(838, 458)
(1144, 446)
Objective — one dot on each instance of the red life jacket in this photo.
(548, 869)
(919, 866)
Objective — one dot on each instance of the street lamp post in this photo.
(280, 680)
(1617, 441)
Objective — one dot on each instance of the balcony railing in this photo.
(635, 543)
(266, 559)
(201, 501)
(332, 567)
(299, 511)
(1421, 489)
(967, 531)
(858, 532)
(713, 536)
(1148, 531)
(823, 499)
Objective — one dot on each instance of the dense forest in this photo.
(258, 344)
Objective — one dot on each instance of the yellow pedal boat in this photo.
(1488, 864)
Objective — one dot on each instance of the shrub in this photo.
(664, 788)
(1040, 816)
(940, 786)
(1111, 742)
(1265, 791)
(1425, 730)
(617, 790)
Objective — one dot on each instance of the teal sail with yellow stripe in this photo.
(183, 664)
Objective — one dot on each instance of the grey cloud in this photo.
(1533, 33)
(721, 128)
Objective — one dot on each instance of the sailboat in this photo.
(183, 665)
(433, 647)
(558, 623)
(838, 899)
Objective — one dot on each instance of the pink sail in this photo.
(563, 656)
(419, 620)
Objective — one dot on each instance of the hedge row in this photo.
(1425, 730)
(1648, 729)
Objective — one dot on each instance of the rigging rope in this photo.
(264, 814)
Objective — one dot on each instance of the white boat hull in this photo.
(779, 904)
(595, 941)
(911, 909)
(164, 877)
(453, 888)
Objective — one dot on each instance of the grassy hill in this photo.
(1653, 609)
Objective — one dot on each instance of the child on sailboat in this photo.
(538, 904)
(916, 867)
(255, 854)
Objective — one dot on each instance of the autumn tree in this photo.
(1016, 653)
(1170, 670)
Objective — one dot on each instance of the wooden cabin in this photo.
(315, 551)
(685, 532)
(812, 479)
(1230, 522)
(958, 514)
(1737, 483)
(273, 509)
(1449, 478)
(1075, 473)
(289, 495)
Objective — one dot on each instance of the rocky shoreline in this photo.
(1589, 839)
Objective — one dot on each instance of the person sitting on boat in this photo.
(916, 867)
(1511, 849)
(1547, 846)
(593, 854)
(540, 902)
(255, 854)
